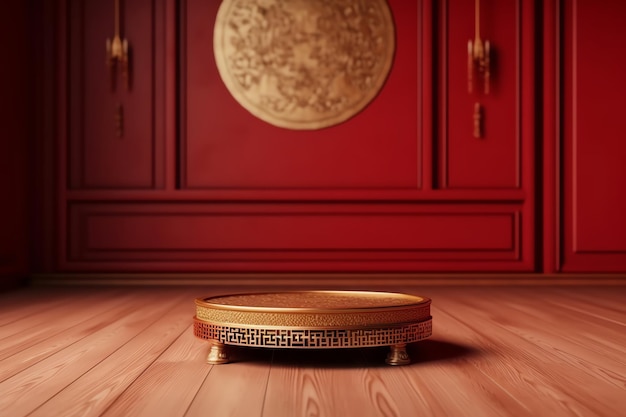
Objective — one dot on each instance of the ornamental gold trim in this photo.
(313, 338)
(317, 301)
(334, 309)
(312, 319)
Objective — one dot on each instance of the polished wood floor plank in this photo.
(337, 382)
(390, 392)
(590, 302)
(316, 383)
(236, 389)
(495, 351)
(430, 357)
(48, 377)
(169, 384)
(93, 392)
(455, 389)
(20, 303)
(16, 358)
(517, 394)
(582, 337)
(443, 374)
(37, 311)
(596, 342)
(535, 375)
(602, 295)
(39, 331)
(461, 383)
(600, 314)
(448, 366)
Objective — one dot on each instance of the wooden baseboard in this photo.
(333, 280)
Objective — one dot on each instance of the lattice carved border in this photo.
(313, 338)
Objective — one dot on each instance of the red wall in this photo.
(15, 81)
(594, 136)
(402, 186)
(197, 184)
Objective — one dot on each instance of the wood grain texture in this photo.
(178, 373)
(536, 360)
(30, 329)
(234, 393)
(48, 377)
(23, 303)
(95, 390)
(495, 351)
(316, 383)
(34, 344)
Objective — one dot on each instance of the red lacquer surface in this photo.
(15, 79)
(402, 186)
(594, 127)
(492, 160)
(99, 156)
(227, 147)
(292, 237)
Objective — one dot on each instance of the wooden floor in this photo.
(504, 351)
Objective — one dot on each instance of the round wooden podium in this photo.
(313, 320)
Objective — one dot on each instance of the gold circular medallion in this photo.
(304, 64)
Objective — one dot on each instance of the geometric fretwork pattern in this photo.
(313, 338)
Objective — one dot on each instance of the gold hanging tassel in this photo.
(117, 53)
(478, 55)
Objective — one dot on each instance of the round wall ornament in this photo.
(304, 64)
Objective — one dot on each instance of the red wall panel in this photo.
(99, 157)
(594, 142)
(15, 80)
(359, 196)
(227, 147)
(401, 186)
(223, 237)
(493, 160)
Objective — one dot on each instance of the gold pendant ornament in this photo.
(304, 64)
(117, 51)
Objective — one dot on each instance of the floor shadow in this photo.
(304, 358)
(433, 350)
(420, 352)
(426, 351)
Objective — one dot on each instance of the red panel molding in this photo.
(223, 146)
(232, 237)
(594, 149)
(203, 186)
(495, 160)
(16, 79)
(98, 157)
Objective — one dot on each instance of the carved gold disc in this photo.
(304, 64)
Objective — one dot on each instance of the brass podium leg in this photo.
(397, 355)
(217, 354)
